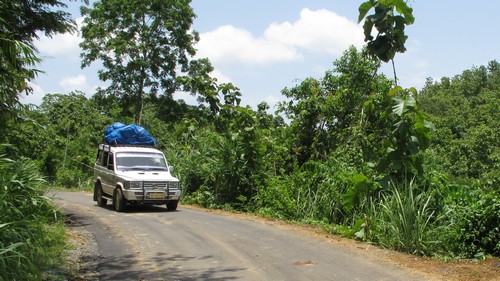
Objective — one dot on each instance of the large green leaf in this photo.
(390, 27)
(360, 185)
(402, 8)
(413, 145)
(402, 104)
(363, 10)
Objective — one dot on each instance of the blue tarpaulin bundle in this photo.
(113, 127)
(119, 133)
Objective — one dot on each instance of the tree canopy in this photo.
(20, 21)
(143, 45)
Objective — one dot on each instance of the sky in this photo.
(264, 46)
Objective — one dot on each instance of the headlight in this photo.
(133, 184)
(173, 185)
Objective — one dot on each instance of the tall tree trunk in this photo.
(139, 100)
(138, 109)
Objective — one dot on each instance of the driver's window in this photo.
(99, 157)
(110, 161)
(104, 159)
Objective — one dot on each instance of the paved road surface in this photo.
(149, 243)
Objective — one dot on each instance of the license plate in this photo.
(156, 195)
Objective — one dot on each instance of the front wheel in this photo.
(172, 205)
(118, 200)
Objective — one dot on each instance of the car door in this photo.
(107, 175)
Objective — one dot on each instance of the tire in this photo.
(172, 205)
(119, 201)
(101, 201)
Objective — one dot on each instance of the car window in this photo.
(110, 161)
(104, 161)
(141, 161)
(98, 159)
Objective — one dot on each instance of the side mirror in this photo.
(171, 169)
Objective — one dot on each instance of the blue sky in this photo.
(264, 46)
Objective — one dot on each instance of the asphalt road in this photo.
(149, 243)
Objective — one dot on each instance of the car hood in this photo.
(137, 175)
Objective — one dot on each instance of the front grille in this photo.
(155, 185)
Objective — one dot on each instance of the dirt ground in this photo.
(432, 268)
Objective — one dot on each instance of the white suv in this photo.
(137, 175)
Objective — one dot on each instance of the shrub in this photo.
(28, 235)
(403, 220)
(476, 218)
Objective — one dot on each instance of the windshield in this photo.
(140, 161)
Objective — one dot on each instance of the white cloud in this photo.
(320, 31)
(272, 101)
(221, 78)
(70, 83)
(65, 44)
(33, 98)
(186, 97)
(77, 83)
(230, 45)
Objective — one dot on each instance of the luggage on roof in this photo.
(121, 134)
(113, 127)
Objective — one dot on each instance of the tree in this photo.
(465, 109)
(20, 21)
(329, 113)
(72, 130)
(142, 44)
(390, 19)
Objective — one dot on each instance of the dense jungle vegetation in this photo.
(415, 171)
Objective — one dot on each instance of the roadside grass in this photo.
(403, 220)
(84, 185)
(32, 238)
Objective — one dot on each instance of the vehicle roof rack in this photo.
(103, 145)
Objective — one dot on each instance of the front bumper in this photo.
(152, 196)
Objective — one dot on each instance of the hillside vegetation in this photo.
(347, 159)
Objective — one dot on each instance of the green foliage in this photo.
(72, 131)
(17, 60)
(30, 240)
(403, 220)
(320, 168)
(476, 223)
(313, 192)
(466, 114)
(342, 109)
(480, 230)
(142, 45)
(61, 137)
(45, 16)
(360, 187)
(198, 81)
(309, 121)
(408, 136)
(390, 26)
(226, 162)
(21, 22)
